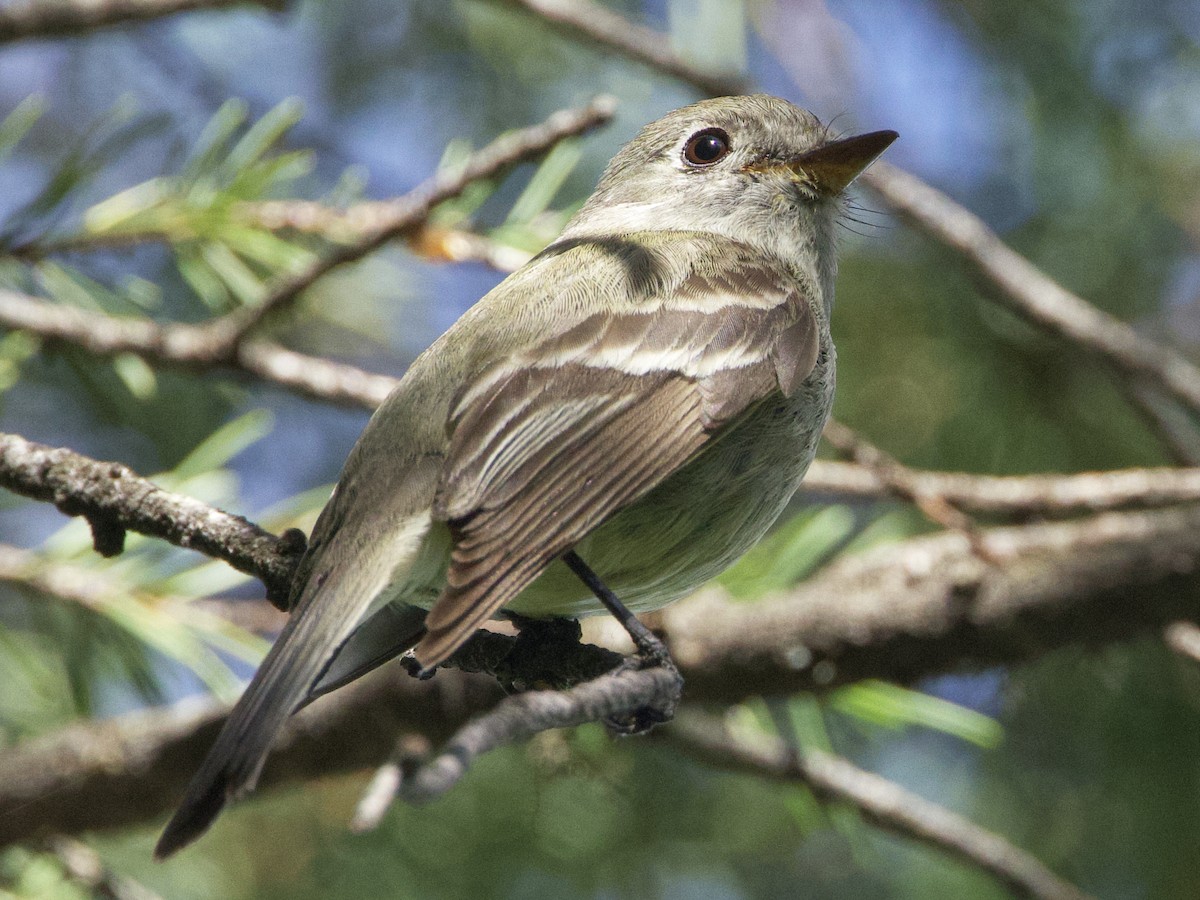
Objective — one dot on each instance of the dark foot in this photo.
(651, 652)
(545, 655)
(642, 720)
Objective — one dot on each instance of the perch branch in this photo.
(920, 607)
(521, 716)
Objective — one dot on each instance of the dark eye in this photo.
(706, 147)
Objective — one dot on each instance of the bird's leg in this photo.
(649, 647)
(650, 650)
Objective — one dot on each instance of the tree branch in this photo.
(597, 24)
(191, 347)
(31, 18)
(880, 801)
(222, 342)
(113, 499)
(518, 718)
(1028, 291)
(1012, 496)
(902, 612)
(931, 605)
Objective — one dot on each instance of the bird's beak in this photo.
(830, 168)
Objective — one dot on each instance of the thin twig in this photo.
(1029, 291)
(880, 801)
(898, 478)
(1016, 496)
(385, 784)
(429, 241)
(38, 18)
(193, 348)
(395, 217)
(314, 376)
(600, 25)
(330, 223)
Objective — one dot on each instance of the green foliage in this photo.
(17, 123)
(894, 707)
(1090, 170)
(121, 618)
(790, 552)
(106, 138)
(28, 875)
(199, 212)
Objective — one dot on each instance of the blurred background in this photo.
(1071, 126)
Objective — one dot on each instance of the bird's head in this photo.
(755, 168)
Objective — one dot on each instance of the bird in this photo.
(643, 397)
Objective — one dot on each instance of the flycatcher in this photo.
(645, 394)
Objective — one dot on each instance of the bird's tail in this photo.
(295, 670)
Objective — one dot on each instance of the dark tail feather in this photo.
(388, 633)
(310, 640)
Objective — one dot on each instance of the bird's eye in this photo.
(706, 147)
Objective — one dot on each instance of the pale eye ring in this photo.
(706, 147)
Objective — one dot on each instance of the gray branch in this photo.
(931, 605)
(917, 608)
(40, 18)
(880, 801)
(598, 24)
(193, 347)
(520, 717)
(115, 500)
(1012, 496)
(224, 342)
(1030, 292)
